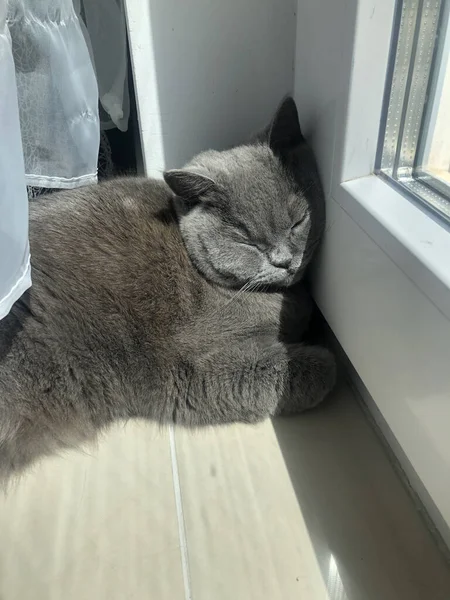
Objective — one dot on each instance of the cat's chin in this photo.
(275, 283)
(283, 281)
(287, 281)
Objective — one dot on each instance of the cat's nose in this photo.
(280, 257)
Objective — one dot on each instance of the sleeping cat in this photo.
(168, 300)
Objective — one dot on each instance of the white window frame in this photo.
(393, 220)
(383, 275)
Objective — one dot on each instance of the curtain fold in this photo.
(62, 64)
(57, 92)
(14, 252)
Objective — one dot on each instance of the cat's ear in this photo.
(187, 184)
(284, 132)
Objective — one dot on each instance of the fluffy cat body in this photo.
(169, 301)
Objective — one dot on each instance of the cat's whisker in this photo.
(250, 286)
(219, 310)
(247, 287)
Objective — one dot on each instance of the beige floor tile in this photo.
(305, 508)
(283, 510)
(245, 531)
(96, 525)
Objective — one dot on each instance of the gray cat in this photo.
(168, 300)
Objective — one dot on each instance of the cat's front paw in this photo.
(312, 376)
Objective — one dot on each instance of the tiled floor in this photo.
(306, 508)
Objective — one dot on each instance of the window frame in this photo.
(416, 183)
(415, 240)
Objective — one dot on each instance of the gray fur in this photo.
(167, 306)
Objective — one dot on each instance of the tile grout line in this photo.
(180, 516)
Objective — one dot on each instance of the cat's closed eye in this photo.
(242, 236)
(256, 245)
(298, 223)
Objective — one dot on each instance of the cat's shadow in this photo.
(347, 490)
(322, 472)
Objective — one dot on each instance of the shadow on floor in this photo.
(370, 541)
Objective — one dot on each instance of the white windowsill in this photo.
(415, 242)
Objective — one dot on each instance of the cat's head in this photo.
(253, 214)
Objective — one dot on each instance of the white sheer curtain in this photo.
(57, 92)
(14, 253)
(58, 59)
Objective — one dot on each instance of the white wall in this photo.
(207, 72)
(323, 59)
(374, 282)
